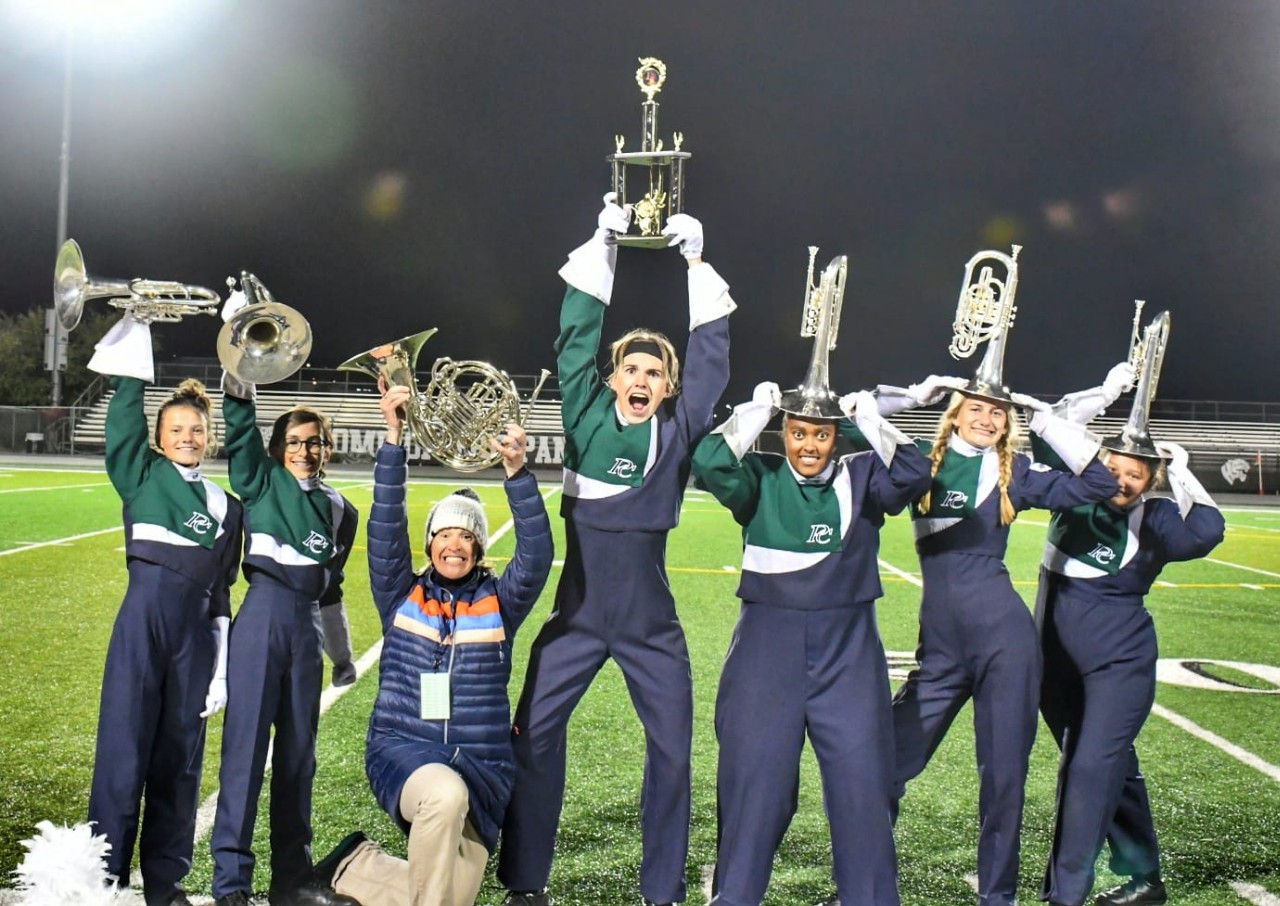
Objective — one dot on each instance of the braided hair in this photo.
(1004, 448)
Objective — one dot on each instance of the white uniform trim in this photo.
(769, 561)
(584, 488)
(1056, 561)
(264, 545)
(988, 479)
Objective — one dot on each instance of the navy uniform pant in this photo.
(274, 676)
(977, 640)
(789, 672)
(1099, 686)
(150, 733)
(612, 601)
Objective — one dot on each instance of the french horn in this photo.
(985, 314)
(820, 319)
(265, 341)
(463, 405)
(149, 301)
(1135, 439)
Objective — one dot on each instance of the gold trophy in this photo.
(665, 168)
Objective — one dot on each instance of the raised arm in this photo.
(249, 467)
(390, 557)
(129, 453)
(722, 461)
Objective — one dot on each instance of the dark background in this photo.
(390, 166)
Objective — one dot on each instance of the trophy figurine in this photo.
(665, 168)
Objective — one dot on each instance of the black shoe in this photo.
(178, 899)
(325, 869)
(527, 898)
(235, 898)
(308, 895)
(833, 900)
(1137, 892)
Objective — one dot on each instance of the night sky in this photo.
(391, 166)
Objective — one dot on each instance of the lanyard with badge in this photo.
(434, 702)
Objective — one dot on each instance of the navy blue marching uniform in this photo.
(1100, 655)
(182, 546)
(978, 640)
(623, 487)
(806, 656)
(299, 534)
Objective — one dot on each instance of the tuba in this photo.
(265, 341)
(149, 301)
(1134, 439)
(820, 320)
(985, 314)
(463, 406)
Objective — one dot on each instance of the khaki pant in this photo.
(446, 857)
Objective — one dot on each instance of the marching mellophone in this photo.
(265, 341)
(820, 319)
(1135, 438)
(984, 314)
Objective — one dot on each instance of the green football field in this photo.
(1211, 752)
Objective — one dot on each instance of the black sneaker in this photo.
(1135, 892)
(235, 898)
(527, 898)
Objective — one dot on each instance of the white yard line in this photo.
(901, 574)
(708, 875)
(1255, 894)
(1252, 569)
(1223, 745)
(67, 540)
(60, 487)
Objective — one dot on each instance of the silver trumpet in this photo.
(266, 341)
(463, 406)
(985, 314)
(1134, 439)
(820, 319)
(149, 301)
(1135, 340)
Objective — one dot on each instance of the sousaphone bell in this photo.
(265, 341)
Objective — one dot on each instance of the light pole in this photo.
(58, 360)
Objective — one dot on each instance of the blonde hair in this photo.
(190, 393)
(670, 361)
(1158, 467)
(1004, 448)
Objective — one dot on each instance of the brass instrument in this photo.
(1135, 340)
(820, 320)
(149, 301)
(463, 406)
(985, 314)
(265, 341)
(665, 168)
(1134, 439)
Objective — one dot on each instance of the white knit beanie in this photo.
(461, 509)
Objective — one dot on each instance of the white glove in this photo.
(1084, 406)
(613, 217)
(1075, 445)
(686, 232)
(849, 403)
(235, 301)
(1119, 379)
(216, 698)
(233, 386)
(125, 351)
(337, 642)
(767, 393)
(1030, 403)
(883, 436)
(934, 388)
(1187, 489)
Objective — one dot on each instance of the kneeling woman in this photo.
(438, 752)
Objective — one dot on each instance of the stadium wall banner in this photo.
(361, 444)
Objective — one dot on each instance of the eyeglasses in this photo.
(314, 445)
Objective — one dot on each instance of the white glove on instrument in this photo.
(235, 301)
(1187, 489)
(1075, 444)
(1030, 403)
(233, 386)
(741, 429)
(891, 400)
(685, 231)
(125, 351)
(590, 265)
(883, 436)
(1084, 406)
(216, 698)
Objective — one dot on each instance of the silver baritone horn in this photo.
(820, 320)
(266, 341)
(464, 405)
(984, 315)
(148, 301)
(1134, 439)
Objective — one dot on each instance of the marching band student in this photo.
(977, 636)
(300, 531)
(438, 753)
(1100, 652)
(166, 667)
(806, 654)
(626, 465)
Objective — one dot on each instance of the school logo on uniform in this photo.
(955, 500)
(820, 534)
(199, 523)
(1102, 554)
(623, 468)
(315, 543)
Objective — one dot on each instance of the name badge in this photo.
(434, 703)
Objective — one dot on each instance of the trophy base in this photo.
(648, 158)
(643, 242)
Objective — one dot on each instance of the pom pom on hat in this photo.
(461, 509)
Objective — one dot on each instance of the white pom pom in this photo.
(67, 866)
